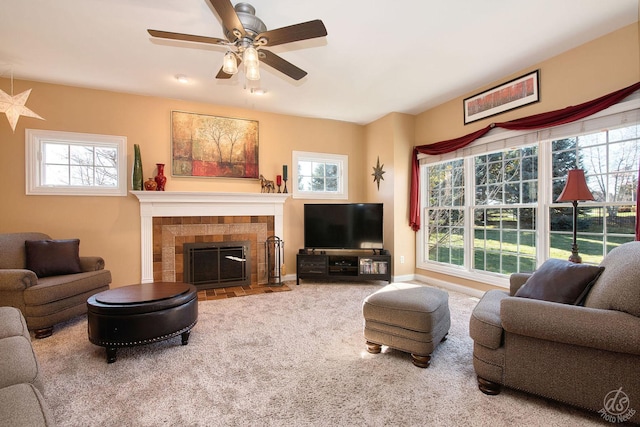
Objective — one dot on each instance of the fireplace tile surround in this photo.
(170, 219)
(171, 233)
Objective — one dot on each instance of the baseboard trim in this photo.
(448, 285)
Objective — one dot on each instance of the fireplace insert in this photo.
(217, 264)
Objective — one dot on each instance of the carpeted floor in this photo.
(293, 358)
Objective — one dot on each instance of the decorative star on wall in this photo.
(13, 107)
(377, 173)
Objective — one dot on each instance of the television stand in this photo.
(343, 266)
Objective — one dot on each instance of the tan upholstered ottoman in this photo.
(407, 317)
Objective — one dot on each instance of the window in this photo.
(610, 161)
(505, 209)
(320, 176)
(489, 209)
(66, 163)
(445, 212)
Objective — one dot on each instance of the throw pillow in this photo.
(53, 257)
(560, 281)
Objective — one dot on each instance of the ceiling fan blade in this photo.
(222, 75)
(229, 18)
(292, 33)
(187, 37)
(281, 65)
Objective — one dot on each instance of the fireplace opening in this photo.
(217, 264)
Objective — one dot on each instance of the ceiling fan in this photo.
(247, 37)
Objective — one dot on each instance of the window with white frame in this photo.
(505, 210)
(68, 163)
(610, 160)
(508, 221)
(320, 176)
(445, 212)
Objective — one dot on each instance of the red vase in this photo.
(160, 179)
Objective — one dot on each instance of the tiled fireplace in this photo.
(170, 219)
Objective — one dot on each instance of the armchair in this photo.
(54, 296)
(584, 355)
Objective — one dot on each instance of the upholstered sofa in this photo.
(21, 401)
(47, 280)
(584, 352)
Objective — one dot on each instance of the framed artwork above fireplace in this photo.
(213, 146)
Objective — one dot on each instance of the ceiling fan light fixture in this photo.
(244, 34)
(250, 57)
(229, 63)
(252, 72)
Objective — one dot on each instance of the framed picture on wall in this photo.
(513, 94)
(212, 146)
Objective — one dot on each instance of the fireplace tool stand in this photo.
(274, 253)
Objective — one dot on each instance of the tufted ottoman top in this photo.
(415, 307)
(142, 298)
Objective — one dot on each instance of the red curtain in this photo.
(538, 121)
(433, 149)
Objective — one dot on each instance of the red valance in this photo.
(537, 121)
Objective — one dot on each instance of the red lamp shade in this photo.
(576, 187)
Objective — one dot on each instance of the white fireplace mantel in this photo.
(191, 203)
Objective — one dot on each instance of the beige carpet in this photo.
(283, 359)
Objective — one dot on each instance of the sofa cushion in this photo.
(58, 288)
(618, 288)
(22, 405)
(53, 257)
(560, 281)
(18, 362)
(12, 248)
(12, 323)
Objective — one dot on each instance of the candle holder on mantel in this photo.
(279, 182)
(285, 175)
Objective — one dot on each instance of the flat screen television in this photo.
(343, 226)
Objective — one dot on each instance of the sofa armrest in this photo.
(485, 326)
(91, 263)
(17, 279)
(516, 280)
(608, 330)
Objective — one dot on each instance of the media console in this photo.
(361, 266)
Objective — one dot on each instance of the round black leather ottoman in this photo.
(141, 314)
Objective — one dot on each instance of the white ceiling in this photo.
(378, 57)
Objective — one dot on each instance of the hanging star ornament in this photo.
(13, 107)
(377, 173)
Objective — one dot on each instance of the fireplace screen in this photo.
(217, 264)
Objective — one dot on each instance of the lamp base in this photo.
(575, 257)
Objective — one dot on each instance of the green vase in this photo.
(136, 176)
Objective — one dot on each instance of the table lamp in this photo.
(575, 190)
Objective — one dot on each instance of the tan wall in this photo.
(594, 69)
(379, 137)
(403, 235)
(581, 74)
(392, 139)
(110, 226)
